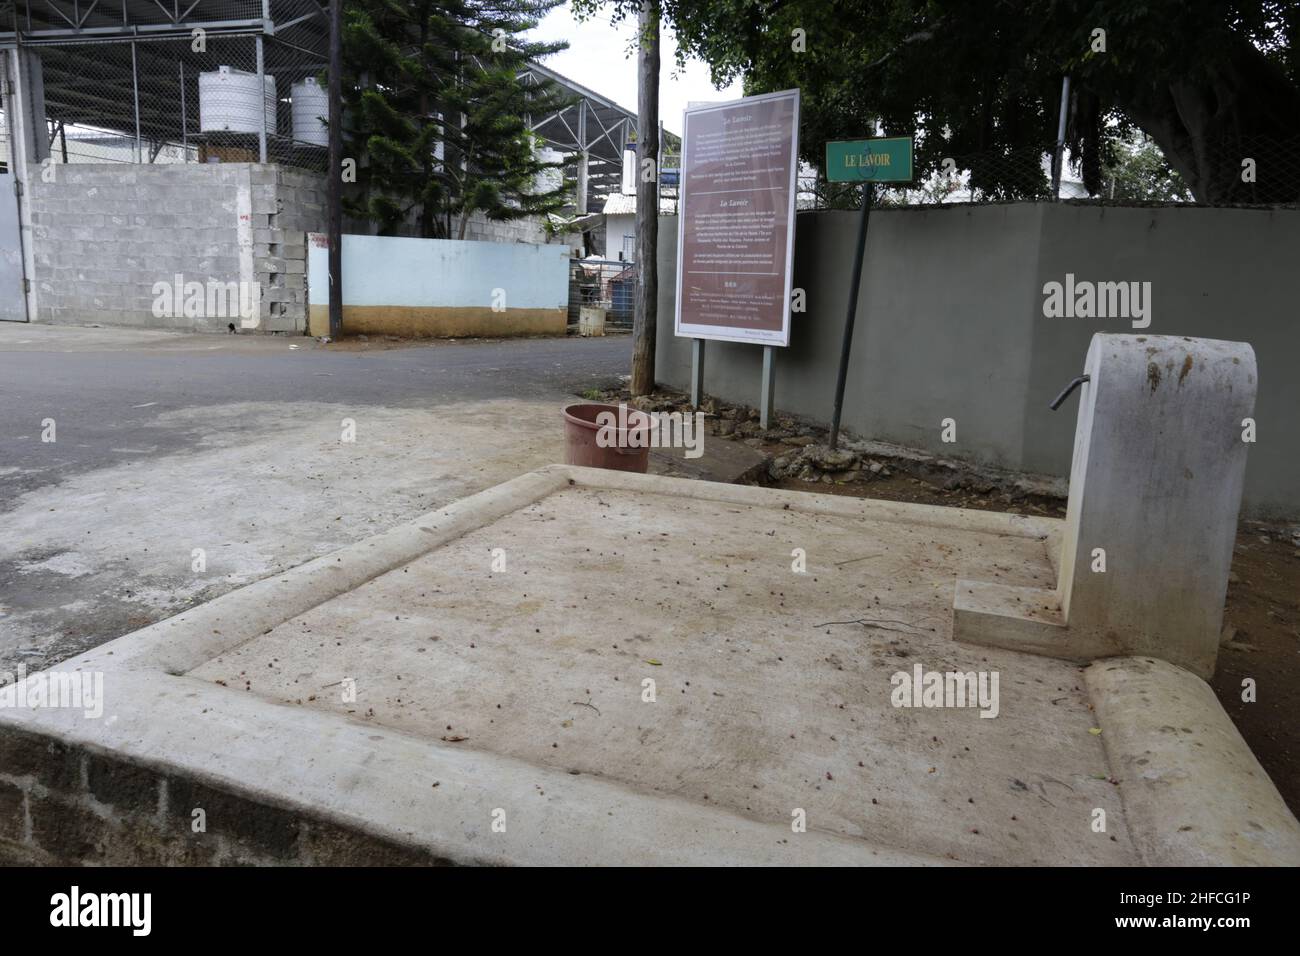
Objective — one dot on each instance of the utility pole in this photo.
(335, 173)
(647, 199)
(1058, 156)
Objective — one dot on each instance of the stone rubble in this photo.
(801, 452)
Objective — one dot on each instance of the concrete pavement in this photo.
(187, 465)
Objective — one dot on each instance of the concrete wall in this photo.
(618, 230)
(951, 325)
(103, 235)
(442, 287)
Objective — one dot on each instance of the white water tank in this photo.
(311, 109)
(229, 102)
(548, 179)
(629, 170)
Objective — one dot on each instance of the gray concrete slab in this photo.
(500, 713)
(759, 710)
(1194, 793)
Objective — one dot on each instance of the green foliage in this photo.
(1212, 81)
(1137, 172)
(437, 118)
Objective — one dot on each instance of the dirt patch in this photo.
(1264, 607)
(907, 488)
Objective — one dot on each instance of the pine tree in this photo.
(437, 116)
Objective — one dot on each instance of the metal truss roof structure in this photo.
(594, 124)
(105, 61)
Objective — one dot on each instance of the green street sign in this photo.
(887, 159)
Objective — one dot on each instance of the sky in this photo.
(598, 58)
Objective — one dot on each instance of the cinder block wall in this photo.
(104, 234)
(280, 255)
(482, 228)
(68, 805)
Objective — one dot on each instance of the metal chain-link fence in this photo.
(232, 93)
(167, 81)
(605, 284)
(1266, 173)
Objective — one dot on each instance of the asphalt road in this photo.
(108, 387)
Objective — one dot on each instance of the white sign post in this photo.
(735, 244)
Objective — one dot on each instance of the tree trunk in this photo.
(1244, 108)
(647, 200)
(335, 162)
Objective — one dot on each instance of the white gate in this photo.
(13, 298)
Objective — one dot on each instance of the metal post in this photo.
(769, 383)
(184, 119)
(20, 156)
(697, 372)
(1059, 156)
(583, 159)
(659, 161)
(584, 178)
(868, 193)
(135, 91)
(261, 100)
(334, 175)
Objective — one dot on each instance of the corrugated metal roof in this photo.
(619, 205)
